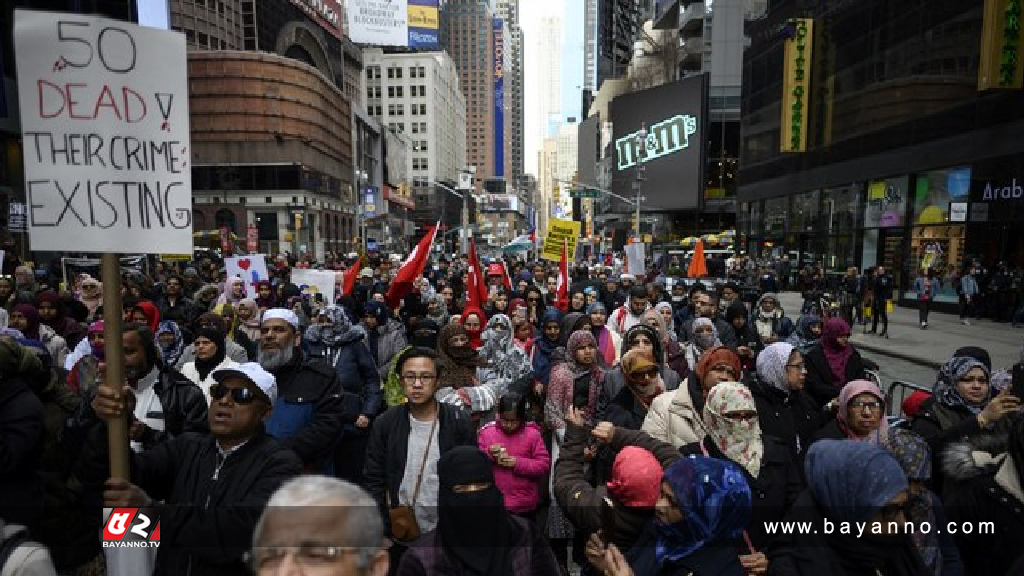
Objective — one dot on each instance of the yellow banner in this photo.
(175, 257)
(1001, 66)
(558, 231)
(796, 82)
(423, 16)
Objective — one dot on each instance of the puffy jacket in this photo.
(211, 511)
(311, 410)
(388, 447)
(357, 372)
(522, 484)
(673, 418)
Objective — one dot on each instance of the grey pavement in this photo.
(929, 348)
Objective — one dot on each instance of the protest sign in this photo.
(558, 231)
(74, 267)
(313, 282)
(252, 269)
(635, 259)
(104, 115)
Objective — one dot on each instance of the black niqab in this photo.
(475, 528)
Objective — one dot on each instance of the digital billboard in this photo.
(407, 23)
(672, 152)
(499, 97)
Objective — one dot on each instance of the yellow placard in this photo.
(876, 190)
(423, 16)
(796, 85)
(558, 232)
(175, 257)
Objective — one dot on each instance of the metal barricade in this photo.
(898, 391)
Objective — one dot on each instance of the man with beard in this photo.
(313, 409)
(630, 314)
(705, 306)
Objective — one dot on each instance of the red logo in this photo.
(132, 527)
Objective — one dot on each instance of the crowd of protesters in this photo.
(616, 425)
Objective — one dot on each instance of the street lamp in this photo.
(361, 177)
(641, 141)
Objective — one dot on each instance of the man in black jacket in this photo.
(407, 441)
(883, 286)
(214, 486)
(313, 409)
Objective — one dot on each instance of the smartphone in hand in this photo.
(1017, 384)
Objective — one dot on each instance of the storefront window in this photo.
(775, 212)
(935, 191)
(941, 248)
(886, 203)
(842, 208)
(805, 213)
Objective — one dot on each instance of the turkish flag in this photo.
(411, 269)
(348, 286)
(477, 287)
(562, 293)
(508, 279)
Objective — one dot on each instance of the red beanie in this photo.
(636, 478)
(912, 404)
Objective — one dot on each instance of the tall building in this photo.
(467, 34)
(508, 11)
(548, 187)
(417, 94)
(618, 25)
(545, 97)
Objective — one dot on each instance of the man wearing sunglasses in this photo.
(213, 486)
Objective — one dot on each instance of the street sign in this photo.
(17, 217)
(584, 193)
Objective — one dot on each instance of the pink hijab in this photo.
(837, 355)
(852, 390)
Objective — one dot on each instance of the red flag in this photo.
(411, 269)
(477, 287)
(507, 278)
(348, 285)
(562, 293)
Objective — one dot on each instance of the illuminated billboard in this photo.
(658, 139)
(499, 97)
(407, 23)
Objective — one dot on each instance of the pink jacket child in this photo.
(521, 462)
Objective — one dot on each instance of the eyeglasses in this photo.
(801, 366)
(871, 405)
(425, 378)
(648, 374)
(305, 556)
(238, 395)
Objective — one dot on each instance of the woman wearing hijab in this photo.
(343, 345)
(676, 416)
(705, 337)
(937, 548)
(473, 320)
(423, 332)
(234, 291)
(248, 314)
(608, 342)
(52, 313)
(507, 359)
(807, 333)
(733, 434)
(832, 363)
(574, 383)
(385, 335)
(466, 380)
(985, 483)
(265, 296)
(641, 337)
(784, 409)
(962, 405)
(665, 309)
(169, 342)
(437, 310)
(705, 505)
(25, 318)
(92, 294)
(674, 356)
(643, 385)
(211, 354)
(546, 344)
(476, 535)
(847, 483)
(860, 414)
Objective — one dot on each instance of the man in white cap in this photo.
(311, 415)
(213, 486)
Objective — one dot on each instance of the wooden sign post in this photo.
(104, 115)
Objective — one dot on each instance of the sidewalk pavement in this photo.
(935, 345)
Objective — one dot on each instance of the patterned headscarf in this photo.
(714, 498)
(848, 393)
(771, 365)
(950, 373)
(169, 354)
(340, 331)
(500, 350)
(740, 440)
(705, 341)
(440, 314)
(577, 340)
(915, 457)
(634, 364)
(852, 481)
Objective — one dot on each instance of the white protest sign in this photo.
(104, 115)
(252, 269)
(314, 282)
(635, 257)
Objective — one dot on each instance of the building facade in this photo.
(909, 159)
(508, 11)
(467, 34)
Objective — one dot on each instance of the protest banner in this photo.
(558, 232)
(252, 269)
(72, 268)
(104, 115)
(635, 257)
(313, 282)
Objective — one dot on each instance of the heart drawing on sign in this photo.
(244, 263)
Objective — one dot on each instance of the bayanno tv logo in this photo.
(131, 528)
